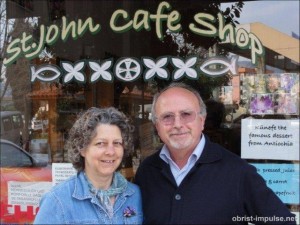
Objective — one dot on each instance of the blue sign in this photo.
(283, 179)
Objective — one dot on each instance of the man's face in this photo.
(183, 107)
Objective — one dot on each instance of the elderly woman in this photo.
(98, 194)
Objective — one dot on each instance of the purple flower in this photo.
(261, 104)
(128, 211)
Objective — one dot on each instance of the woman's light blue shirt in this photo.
(72, 203)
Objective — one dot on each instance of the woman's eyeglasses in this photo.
(185, 117)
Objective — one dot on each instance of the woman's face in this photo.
(104, 153)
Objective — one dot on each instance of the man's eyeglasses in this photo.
(185, 117)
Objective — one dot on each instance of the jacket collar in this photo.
(82, 191)
(211, 153)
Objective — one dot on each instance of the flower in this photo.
(128, 212)
(261, 104)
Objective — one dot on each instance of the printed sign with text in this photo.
(26, 193)
(270, 139)
(61, 172)
(283, 179)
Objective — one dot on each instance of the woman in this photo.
(97, 194)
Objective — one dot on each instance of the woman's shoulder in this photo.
(133, 188)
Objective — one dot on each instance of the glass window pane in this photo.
(11, 156)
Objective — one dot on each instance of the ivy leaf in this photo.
(236, 13)
(226, 12)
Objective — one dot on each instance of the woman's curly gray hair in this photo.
(84, 130)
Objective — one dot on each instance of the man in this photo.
(194, 181)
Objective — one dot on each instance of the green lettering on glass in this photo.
(256, 47)
(52, 38)
(121, 22)
(239, 37)
(144, 22)
(14, 51)
(226, 29)
(115, 17)
(30, 49)
(36, 49)
(205, 20)
(87, 25)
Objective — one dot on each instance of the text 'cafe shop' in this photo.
(61, 57)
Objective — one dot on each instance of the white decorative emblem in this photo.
(73, 72)
(101, 71)
(128, 69)
(156, 68)
(41, 72)
(224, 66)
(184, 68)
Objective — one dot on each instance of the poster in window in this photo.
(275, 139)
(283, 179)
(261, 104)
(273, 94)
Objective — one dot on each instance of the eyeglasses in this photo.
(185, 117)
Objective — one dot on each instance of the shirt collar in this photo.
(165, 154)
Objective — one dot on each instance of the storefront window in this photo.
(61, 57)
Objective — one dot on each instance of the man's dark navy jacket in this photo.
(221, 188)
